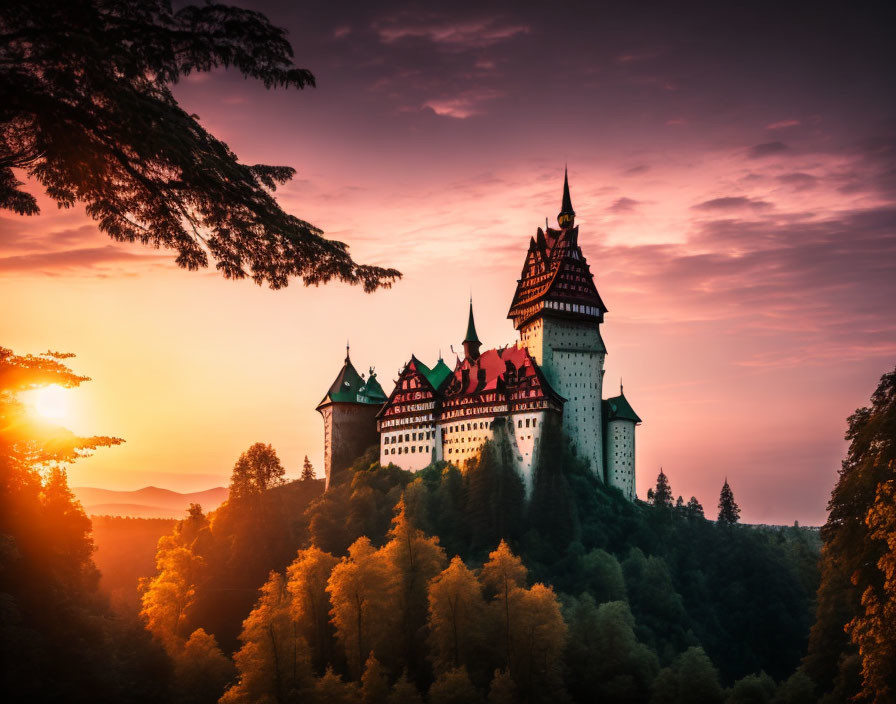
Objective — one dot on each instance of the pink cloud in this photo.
(783, 124)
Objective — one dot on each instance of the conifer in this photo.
(307, 471)
(729, 511)
(662, 494)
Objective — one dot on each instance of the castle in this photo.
(552, 376)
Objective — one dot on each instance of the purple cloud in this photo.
(732, 203)
(623, 205)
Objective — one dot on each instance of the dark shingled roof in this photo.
(618, 408)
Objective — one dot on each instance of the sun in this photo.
(50, 402)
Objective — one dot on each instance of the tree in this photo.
(273, 662)
(331, 689)
(201, 670)
(604, 658)
(88, 113)
(538, 634)
(411, 561)
(850, 556)
(358, 588)
(404, 692)
(503, 573)
(729, 511)
(454, 687)
(662, 494)
(310, 605)
(694, 508)
(691, 679)
(307, 471)
(873, 630)
(456, 613)
(502, 690)
(257, 470)
(51, 604)
(168, 597)
(374, 685)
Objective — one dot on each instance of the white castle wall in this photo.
(621, 456)
(457, 441)
(571, 354)
(411, 448)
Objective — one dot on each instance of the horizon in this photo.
(735, 198)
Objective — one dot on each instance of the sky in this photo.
(732, 170)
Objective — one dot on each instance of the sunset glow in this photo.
(740, 230)
(49, 403)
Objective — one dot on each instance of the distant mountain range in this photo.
(148, 502)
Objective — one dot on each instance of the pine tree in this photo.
(89, 83)
(729, 511)
(662, 495)
(694, 508)
(307, 471)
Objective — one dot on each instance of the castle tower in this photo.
(349, 411)
(558, 313)
(620, 419)
(471, 340)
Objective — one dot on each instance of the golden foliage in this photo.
(874, 631)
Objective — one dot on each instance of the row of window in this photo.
(407, 450)
(422, 435)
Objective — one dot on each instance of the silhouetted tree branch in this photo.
(87, 111)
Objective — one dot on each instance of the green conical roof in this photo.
(618, 408)
(371, 391)
(348, 386)
(471, 335)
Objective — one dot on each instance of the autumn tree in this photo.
(538, 634)
(307, 471)
(273, 663)
(502, 690)
(411, 560)
(332, 689)
(873, 630)
(201, 670)
(404, 692)
(257, 470)
(454, 687)
(359, 593)
(374, 685)
(310, 604)
(851, 556)
(729, 511)
(503, 573)
(456, 617)
(88, 113)
(168, 597)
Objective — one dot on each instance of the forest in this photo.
(447, 585)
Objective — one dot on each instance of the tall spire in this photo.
(346, 351)
(567, 215)
(471, 340)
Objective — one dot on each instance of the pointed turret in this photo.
(471, 340)
(566, 217)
